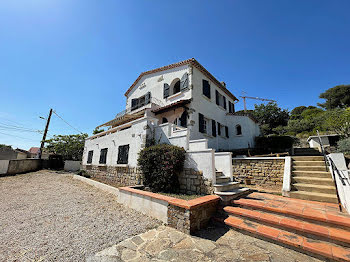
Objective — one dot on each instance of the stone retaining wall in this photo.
(191, 220)
(193, 182)
(260, 171)
(119, 176)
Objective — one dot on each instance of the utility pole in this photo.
(44, 135)
(257, 98)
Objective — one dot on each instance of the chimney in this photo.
(223, 83)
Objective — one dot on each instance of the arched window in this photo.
(238, 130)
(176, 88)
(164, 120)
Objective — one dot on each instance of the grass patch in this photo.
(180, 196)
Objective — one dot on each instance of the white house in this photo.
(181, 104)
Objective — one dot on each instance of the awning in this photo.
(123, 119)
(180, 103)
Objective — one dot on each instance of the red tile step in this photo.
(316, 247)
(304, 210)
(329, 233)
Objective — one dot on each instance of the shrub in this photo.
(274, 144)
(344, 146)
(160, 165)
(83, 173)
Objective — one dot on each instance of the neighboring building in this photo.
(8, 153)
(327, 140)
(34, 151)
(178, 104)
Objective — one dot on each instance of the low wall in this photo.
(70, 165)
(185, 216)
(17, 166)
(193, 182)
(116, 175)
(261, 171)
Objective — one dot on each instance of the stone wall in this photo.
(193, 182)
(118, 176)
(191, 220)
(260, 171)
(18, 166)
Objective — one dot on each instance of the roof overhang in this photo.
(123, 119)
(192, 62)
(180, 103)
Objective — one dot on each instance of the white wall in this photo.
(134, 136)
(223, 163)
(202, 160)
(211, 110)
(154, 83)
(4, 164)
(71, 165)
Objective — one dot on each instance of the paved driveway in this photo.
(48, 216)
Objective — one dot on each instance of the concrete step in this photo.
(329, 233)
(305, 244)
(226, 186)
(309, 168)
(227, 196)
(309, 211)
(222, 179)
(308, 163)
(312, 180)
(320, 174)
(219, 173)
(307, 158)
(314, 188)
(313, 196)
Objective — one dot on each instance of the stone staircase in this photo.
(315, 228)
(226, 189)
(306, 151)
(311, 180)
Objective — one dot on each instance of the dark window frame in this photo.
(123, 154)
(141, 101)
(90, 156)
(103, 155)
(206, 88)
(238, 130)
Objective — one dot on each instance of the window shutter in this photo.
(217, 97)
(213, 127)
(123, 154)
(201, 122)
(90, 154)
(147, 98)
(134, 103)
(226, 131)
(233, 107)
(229, 107)
(166, 90)
(206, 88)
(184, 81)
(224, 102)
(219, 129)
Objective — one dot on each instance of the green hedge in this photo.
(344, 146)
(275, 144)
(160, 166)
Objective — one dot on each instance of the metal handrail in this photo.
(328, 163)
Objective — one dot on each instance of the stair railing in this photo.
(330, 165)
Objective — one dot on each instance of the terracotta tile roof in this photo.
(34, 150)
(190, 61)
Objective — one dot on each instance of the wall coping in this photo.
(259, 158)
(187, 204)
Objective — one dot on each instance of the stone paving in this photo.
(212, 244)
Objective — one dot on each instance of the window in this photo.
(226, 131)
(219, 129)
(176, 88)
(203, 124)
(231, 107)
(206, 88)
(213, 128)
(238, 130)
(220, 99)
(123, 154)
(164, 120)
(103, 156)
(141, 101)
(90, 154)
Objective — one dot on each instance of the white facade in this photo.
(174, 119)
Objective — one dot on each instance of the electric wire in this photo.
(67, 122)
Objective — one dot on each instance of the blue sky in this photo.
(79, 57)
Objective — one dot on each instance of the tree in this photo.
(338, 121)
(296, 112)
(70, 147)
(271, 116)
(336, 97)
(96, 131)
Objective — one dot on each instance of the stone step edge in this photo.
(313, 178)
(334, 234)
(333, 195)
(331, 219)
(312, 185)
(320, 248)
(226, 184)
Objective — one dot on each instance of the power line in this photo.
(67, 122)
(19, 137)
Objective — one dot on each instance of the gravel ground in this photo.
(48, 216)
